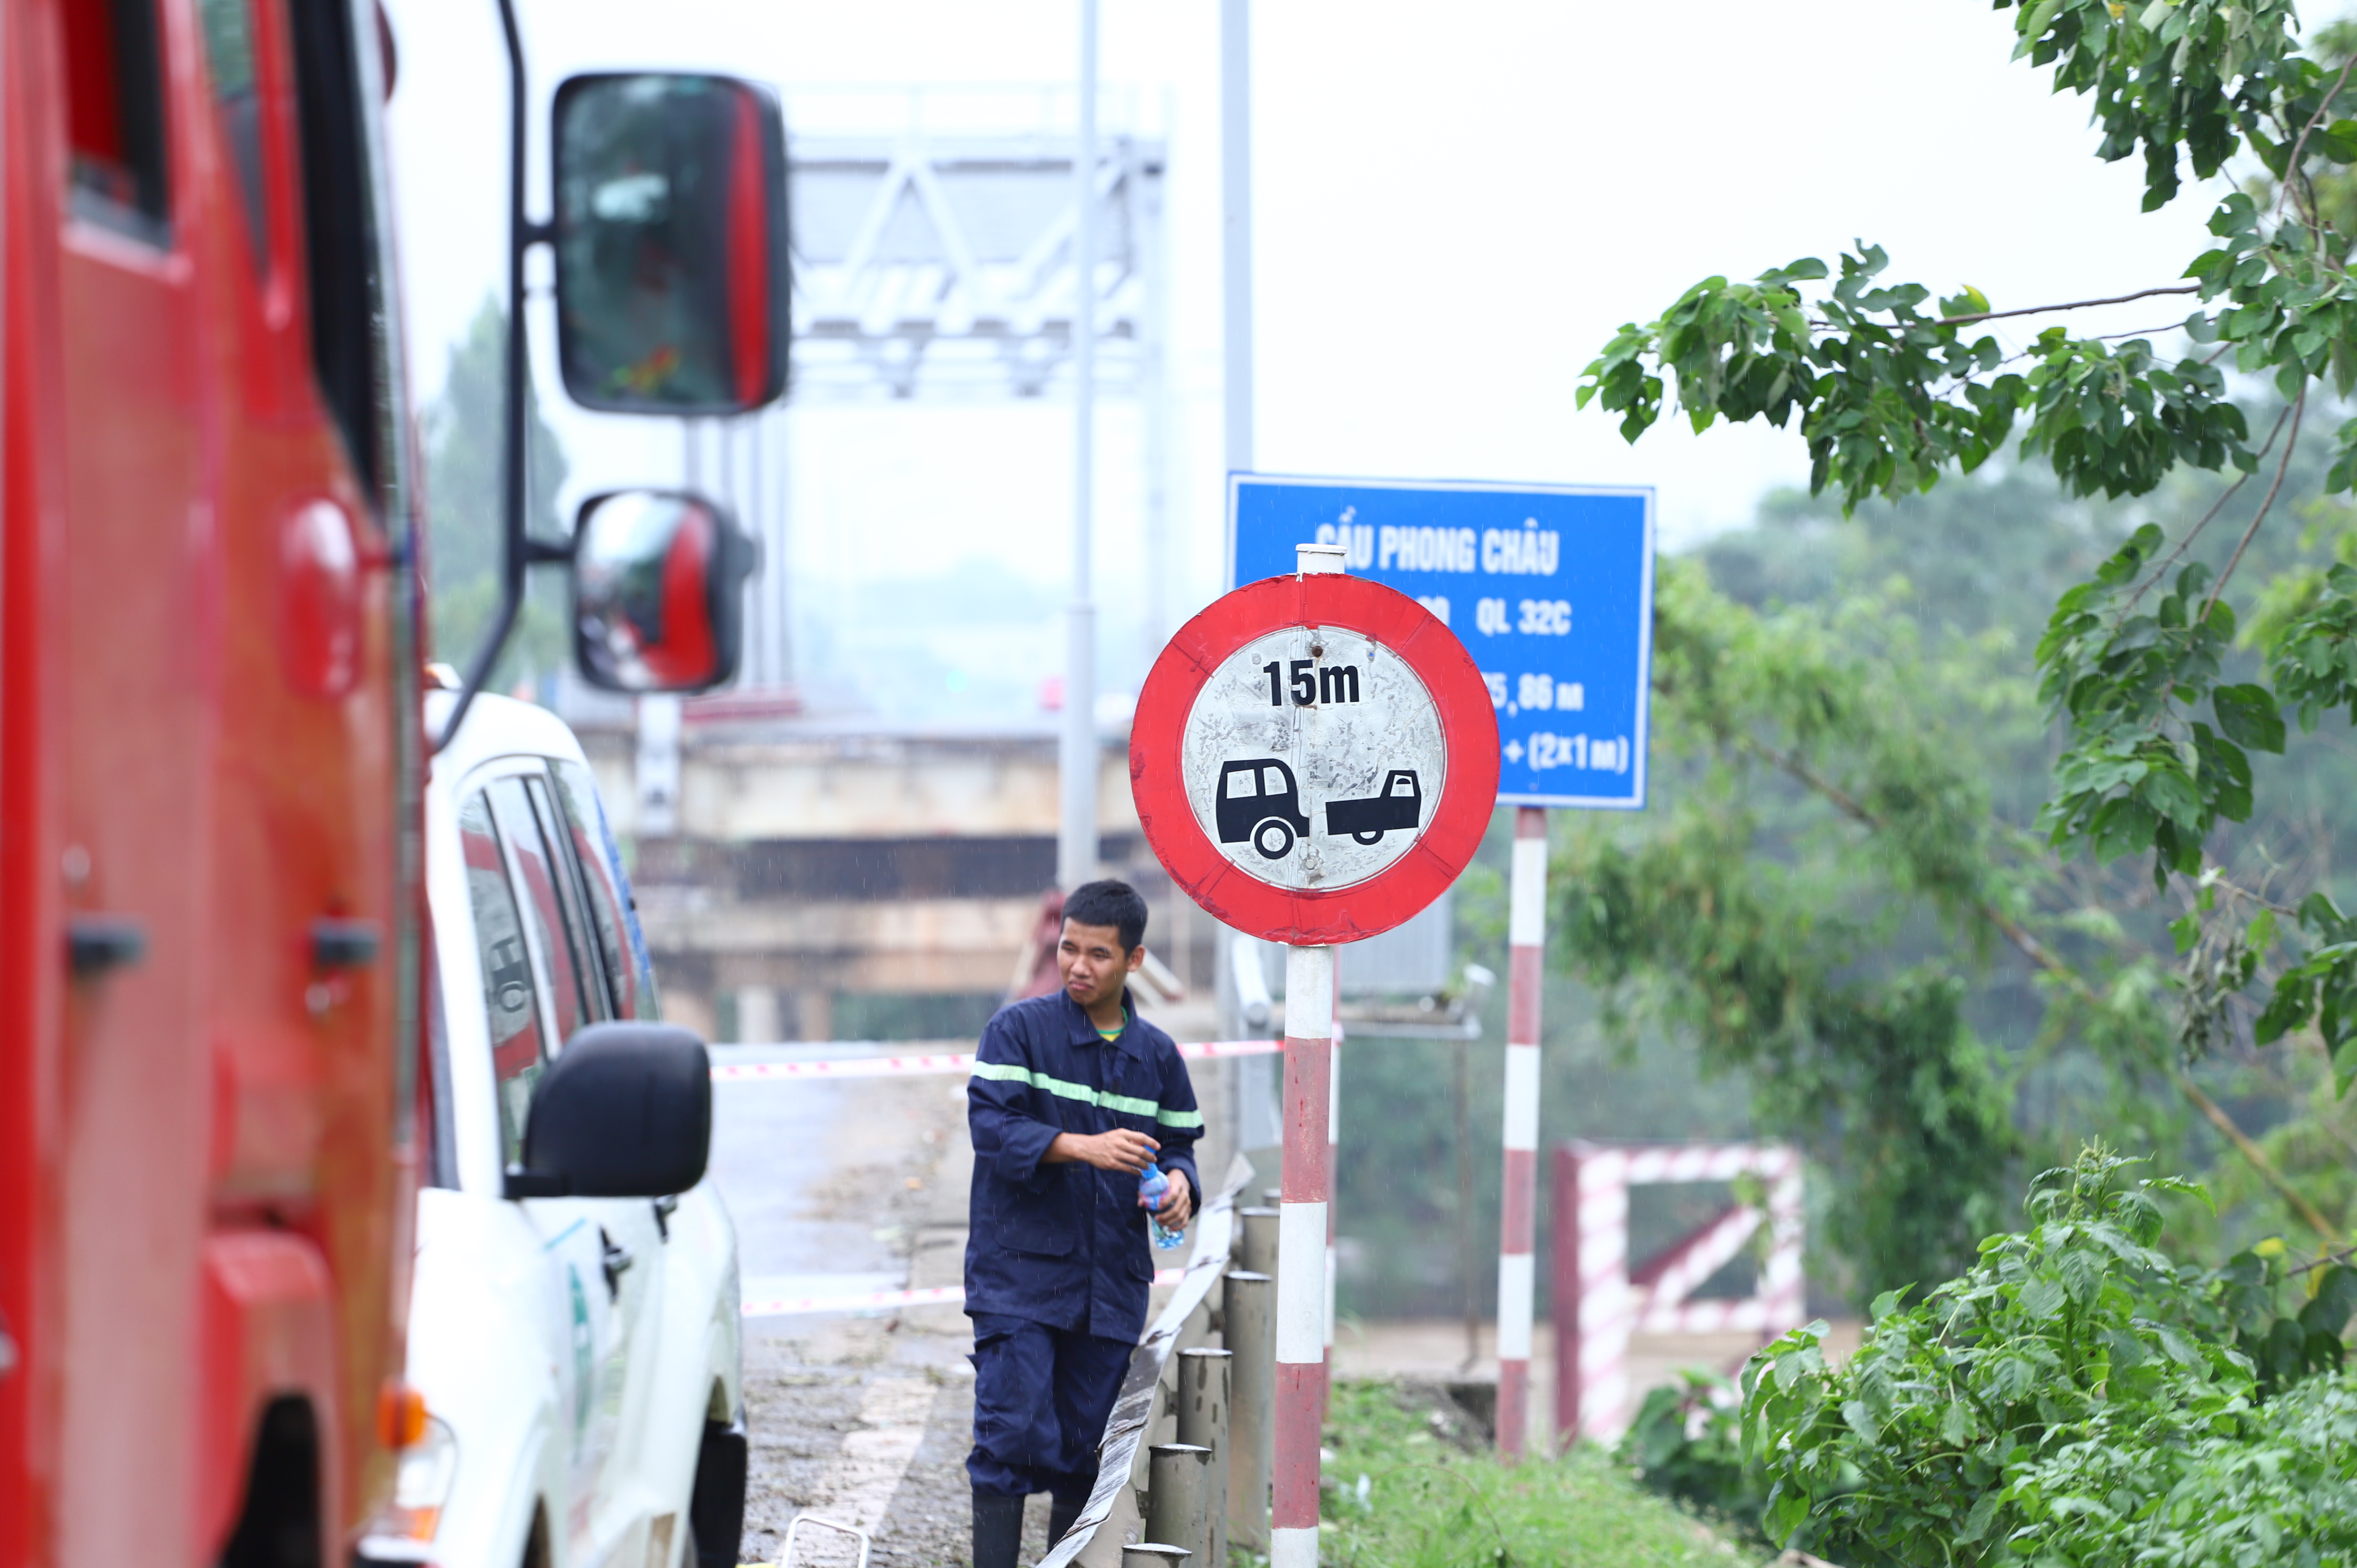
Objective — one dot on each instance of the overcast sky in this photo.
(1456, 207)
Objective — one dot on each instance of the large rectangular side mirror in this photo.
(625, 1111)
(672, 275)
(659, 591)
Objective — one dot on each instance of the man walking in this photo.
(1073, 1096)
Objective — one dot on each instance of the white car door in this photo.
(561, 929)
(588, 1293)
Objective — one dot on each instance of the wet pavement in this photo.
(852, 1186)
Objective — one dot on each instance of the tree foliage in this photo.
(462, 435)
(2141, 664)
(1688, 922)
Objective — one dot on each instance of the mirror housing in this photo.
(672, 277)
(625, 1111)
(658, 591)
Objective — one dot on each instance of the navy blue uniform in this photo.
(1057, 1259)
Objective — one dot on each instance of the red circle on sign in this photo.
(1469, 728)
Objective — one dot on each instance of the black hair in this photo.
(1109, 903)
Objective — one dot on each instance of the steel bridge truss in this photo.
(943, 266)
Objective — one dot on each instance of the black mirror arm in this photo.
(515, 547)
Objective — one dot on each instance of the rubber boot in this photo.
(1061, 1512)
(997, 1530)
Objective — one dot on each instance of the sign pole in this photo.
(1333, 1166)
(1301, 1237)
(1526, 939)
(1076, 830)
(1314, 759)
(1304, 1225)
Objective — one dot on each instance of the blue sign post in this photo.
(1550, 587)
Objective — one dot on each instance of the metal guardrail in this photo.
(1097, 1538)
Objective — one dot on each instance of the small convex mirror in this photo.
(658, 591)
(671, 270)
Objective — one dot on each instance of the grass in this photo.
(1410, 1486)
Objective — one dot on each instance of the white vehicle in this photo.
(578, 1353)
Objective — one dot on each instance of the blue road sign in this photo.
(1549, 587)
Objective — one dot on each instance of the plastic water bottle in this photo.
(1153, 1186)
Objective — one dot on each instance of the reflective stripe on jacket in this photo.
(1066, 1244)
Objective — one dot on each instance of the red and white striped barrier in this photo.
(866, 1301)
(1601, 1301)
(958, 1062)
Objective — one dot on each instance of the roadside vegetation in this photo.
(1412, 1484)
(2076, 1397)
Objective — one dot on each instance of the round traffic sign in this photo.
(1314, 759)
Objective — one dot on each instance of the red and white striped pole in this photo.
(1301, 1256)
(1333, 1161)
(1526, 946)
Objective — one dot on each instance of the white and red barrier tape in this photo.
(868, 1300)
(895, 1067)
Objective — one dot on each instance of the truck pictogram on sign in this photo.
(1260, 804)
(1400, 806)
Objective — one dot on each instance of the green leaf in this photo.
(2291, 1007)
(2335, 1300)
(2247, 715)
(1787, 1510)
(1977, 1523)
(2337, 141)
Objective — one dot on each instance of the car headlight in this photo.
(404, 1527)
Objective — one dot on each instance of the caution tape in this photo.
(961, 1062)
(869, 1301)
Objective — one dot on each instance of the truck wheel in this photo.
(1272, 838)
(280, 1525)
(1371, 835)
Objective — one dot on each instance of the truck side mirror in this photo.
(658, 591)
(625, 1111)
(670, 233)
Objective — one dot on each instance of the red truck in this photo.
(213, 1025)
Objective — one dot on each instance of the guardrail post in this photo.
(1258, 1254)
(1252, 1397)
(1150, 1554)
(1204, 1406)
(1177, 1479)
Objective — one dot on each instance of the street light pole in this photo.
(1235, 255)
(1076, 835)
